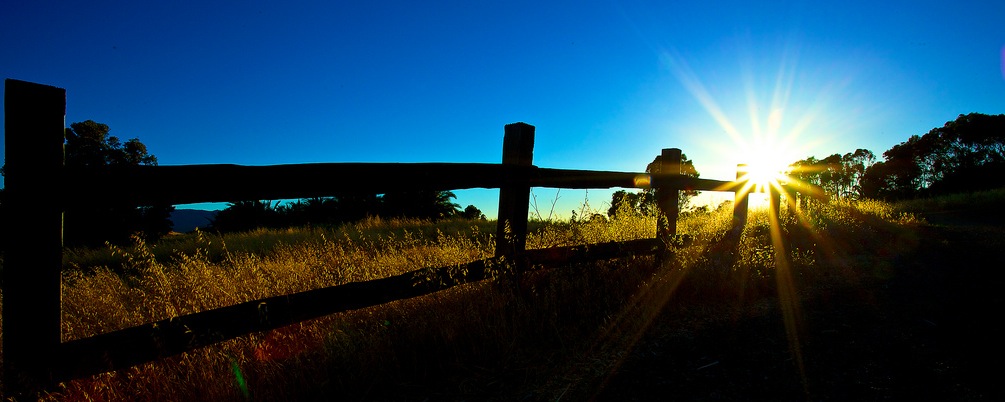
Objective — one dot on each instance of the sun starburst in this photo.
(764, 140)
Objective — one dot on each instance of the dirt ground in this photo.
(925, 326)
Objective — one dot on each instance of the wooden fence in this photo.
(38, 186)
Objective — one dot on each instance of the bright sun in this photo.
(766, 168)
(766, 139)
(768, 135)
(765, 173)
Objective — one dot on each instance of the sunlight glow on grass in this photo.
(607, 307)
(764, 151)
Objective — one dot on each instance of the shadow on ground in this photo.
(922, 327)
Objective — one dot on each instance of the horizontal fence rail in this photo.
(224, 183)
(170, 185)
(38, 184)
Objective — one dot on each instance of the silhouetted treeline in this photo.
(967, 154)
(350, 207)
(964, 155)
(839, 175)
(89, 145)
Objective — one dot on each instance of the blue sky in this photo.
(606, 83)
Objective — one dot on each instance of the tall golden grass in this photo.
(500, 339)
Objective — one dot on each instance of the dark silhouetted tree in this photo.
(243, 216)
(472, 213)
(839, 175)
(966, 154)
(89, 145)
(352, 207)
(806, 171)
(310, 211)
(419, 204)
(903, 170)
(686, 169)
(342, 208)
(854, 166)
(644, 202)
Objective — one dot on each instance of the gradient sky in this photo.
(606, 83)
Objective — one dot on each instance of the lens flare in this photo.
(762, 173)
(1003, 62)
(765, 149)
(242, 384)
(642, 181)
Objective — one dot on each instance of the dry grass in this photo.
(489, 340)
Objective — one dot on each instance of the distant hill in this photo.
(186, 220)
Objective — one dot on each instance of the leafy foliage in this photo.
(247, 215)
(88, 145)
(644, 202)
(472, 212)
(640, 203)
(967, 154)
(839, 175)
(964, 155)
(419, 204)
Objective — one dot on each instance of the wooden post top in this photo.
(518, 144)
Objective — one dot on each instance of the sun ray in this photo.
(697, 89)
(778, 119)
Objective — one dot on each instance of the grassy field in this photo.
(733, 316)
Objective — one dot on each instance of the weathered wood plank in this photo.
(589, 179)
(224, 183)
(668, 197)
(740, 201)
(514, 195)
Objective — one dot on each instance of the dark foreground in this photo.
(925, 326)
(913, 318)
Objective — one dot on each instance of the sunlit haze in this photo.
(608, 84)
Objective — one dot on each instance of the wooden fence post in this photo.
(514, 197)
(32, 247)
(740, 199)
(774, 201)
(668, 199)
(791, 197)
